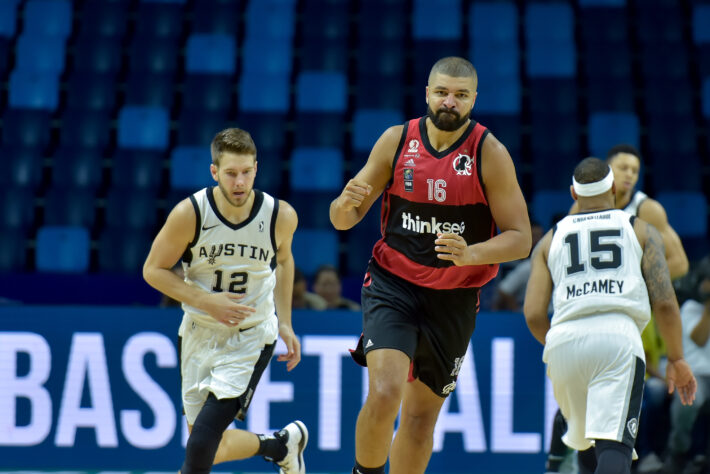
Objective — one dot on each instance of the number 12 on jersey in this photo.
(237, 284)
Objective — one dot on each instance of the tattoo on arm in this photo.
(655, 268)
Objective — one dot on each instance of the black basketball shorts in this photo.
(433, 327)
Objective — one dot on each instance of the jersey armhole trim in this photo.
(479, 155)
(395, 159)
(187, 255)
(272, 230)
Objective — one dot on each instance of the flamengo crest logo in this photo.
(463, 165)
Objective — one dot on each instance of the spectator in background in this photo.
(302, 298)
(695, 315)
(327, 284)
(510, 292)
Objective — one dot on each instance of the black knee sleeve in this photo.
(613, 457)
(587, 461)
(214, 418)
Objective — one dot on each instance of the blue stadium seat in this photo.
(8, 19)
(370, 124)
(612, 128)
(107, 19)
(41, 54)
(154, 55)
(603, 25)
(665, 61)
(13, 251)
(211, 54)
(375, 91)
(85, 129)
(553, 97)
(504, 30)
(33, 90)
(210, 16)
(137, 169)
(546, 204)
(606, 94)
(498, 60)
(26, 128)
(441, 20)
(602, 3)
(143, 128)
(552, 59)
(77, 168)
(659, 24)
(88, 91)
(190, 168)
(131, 209)
(428, 52)
(540, 16)
(499, 95)
(556, 151)
(268, 93)
(267, 56)
(270, 19)
(160, 19)
(70, 206)
(319, 55)
(267, 130)
(308, 256)
(99, 55)
(327, 21)
(123, 252)
(316, 169)
(321, 92)
(507, 129)
(154, 90)
(384, 19)
(198, 128)
(208, 92)
(313, 208)
(62, 249)
(687, 212)
(701, 24)
(269, 174)
(377, 57)
(676, 102)
(320, 130)
(48, 18)
(17, 211)
(22, 167)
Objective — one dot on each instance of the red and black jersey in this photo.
(432, 192)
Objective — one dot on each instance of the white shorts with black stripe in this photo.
(597, 367)
(226, 362)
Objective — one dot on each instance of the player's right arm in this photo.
(665, 309)
(168, 246)
(539, 290)
(363, 190)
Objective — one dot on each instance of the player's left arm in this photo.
(652, 212)
(509, 211)
(539, 291)
(286, 223)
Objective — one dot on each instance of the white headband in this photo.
(595, 188)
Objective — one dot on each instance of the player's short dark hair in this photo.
(454, 66)
(232, 140)
(590, 170)
(622, 148)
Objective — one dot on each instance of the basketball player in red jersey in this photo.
(447, 184)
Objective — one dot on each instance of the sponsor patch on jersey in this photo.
(408, 180)
(413, 146)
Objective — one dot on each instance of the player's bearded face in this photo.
(446, 119)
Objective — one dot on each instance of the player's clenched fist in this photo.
(354, 193)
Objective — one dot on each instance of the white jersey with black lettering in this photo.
(635, 202)
(239, 258)
(595, 264)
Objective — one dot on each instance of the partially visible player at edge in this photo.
(447, 184)
(235, 246)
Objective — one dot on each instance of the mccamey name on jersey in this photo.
(231, 249)
(607, 287)
(432, 226)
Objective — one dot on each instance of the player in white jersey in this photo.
(605, 271)
(235, 246)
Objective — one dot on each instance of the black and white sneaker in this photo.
(295, 437)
